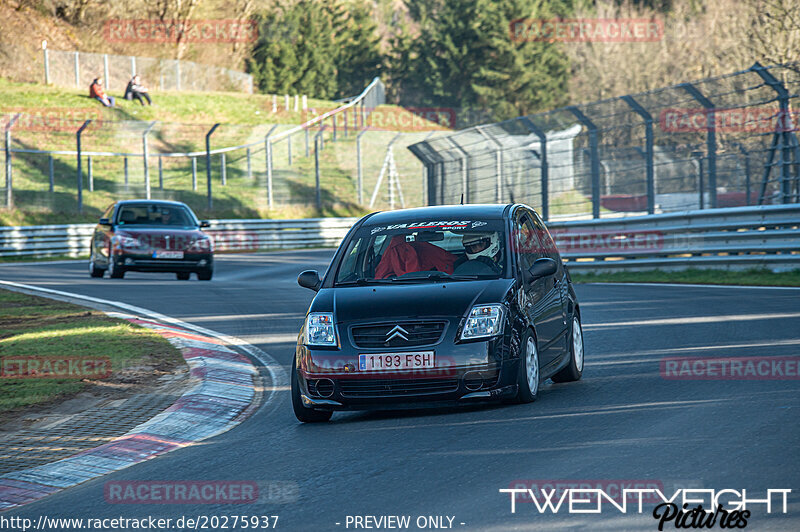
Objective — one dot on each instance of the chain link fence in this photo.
(336, 162)
(718, 142)
(78, 69)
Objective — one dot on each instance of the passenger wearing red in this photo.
(403, 257)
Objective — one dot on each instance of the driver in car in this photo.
(482, 250)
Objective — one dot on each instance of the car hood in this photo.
(177, 238)
(421, 300)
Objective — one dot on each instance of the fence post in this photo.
(77, 71)
(80, 170)
(711, 140)
(464, 170)
(90, 173)
(334, 127)
(224, 169)
(296, 103)
(360, 186)
(46, 63)
(746, 171)
(318, 195)
(648, 147)
(208, 165)
(249, 165)
(133, 65)
(781, 129)
(544, 167)
(289, 148)
(595, 156)
(50, 172)
(286, 102)
(697, 159)
(105, 71)
(125, 166)
(306, 134)
(268, 157)
(144, 159)
(9, 177)
(194, 174)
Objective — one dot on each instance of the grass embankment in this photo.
(183, 119)
(753, 277)
(35, 328)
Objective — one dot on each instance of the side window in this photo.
(548, 246)
(108, 212)
(349, 261)
(528, 243)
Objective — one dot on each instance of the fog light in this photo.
(202, 262)
(128, 261)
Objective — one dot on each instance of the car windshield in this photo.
(424, 251)
(156, 215)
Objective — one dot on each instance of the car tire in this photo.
(301, 412)
(113, 271)
(529, 374)
(183, 276)
(574, 369)
(94, 271)
(205, 275)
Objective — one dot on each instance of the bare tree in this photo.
(175, 14)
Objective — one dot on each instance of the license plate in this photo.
(163, 254)
(396, 361)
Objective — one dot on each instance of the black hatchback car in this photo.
(151, 236)
(437, 306)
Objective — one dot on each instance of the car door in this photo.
(560, 279)
(541, 300)
(102, 236)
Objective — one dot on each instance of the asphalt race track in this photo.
(622, 422)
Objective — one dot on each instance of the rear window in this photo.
(424, 251)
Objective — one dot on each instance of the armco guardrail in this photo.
(767, 236)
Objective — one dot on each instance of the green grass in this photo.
(755, 277)
(33, 327)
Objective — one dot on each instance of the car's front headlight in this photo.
(202, 244)
(484, 321)
(320, 329)
(128, 242)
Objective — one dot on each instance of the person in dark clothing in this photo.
(135, 90)
(96, 91)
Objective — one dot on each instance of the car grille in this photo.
(394, 388)
(413, 334)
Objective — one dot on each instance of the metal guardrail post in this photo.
(648, 149)
(50, 172)
(160, 173)
(125, 168)
(46, 63)
(318, 194)
(544, 166)
(785, 132)
(145, 155)
(9, 175)
(334, 127)
(194, 174)
(498, 154)
(208, 165)
(360, 182)
(268, 157)
(289, 149)
(80, 170)
(595, 156)
(464, 170)
(90, 173)
(249, 165)
(77, 71)
(711, 139)
(224, 169)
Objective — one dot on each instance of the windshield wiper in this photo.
(430, 276)
(363, 282)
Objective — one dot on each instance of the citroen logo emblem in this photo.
(397, 331)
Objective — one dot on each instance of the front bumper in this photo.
(145, 262)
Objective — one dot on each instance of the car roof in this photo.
(489, 211)
(159, 202)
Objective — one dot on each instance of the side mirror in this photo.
(104, 221)
(309, 279)
(542, 268)
(204, 224)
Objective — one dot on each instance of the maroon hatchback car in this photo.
(151, 236)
